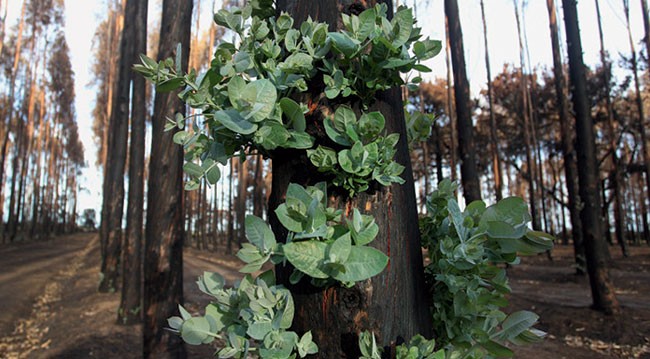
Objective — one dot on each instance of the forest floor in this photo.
(51, 309)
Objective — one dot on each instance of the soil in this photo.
(51, 308)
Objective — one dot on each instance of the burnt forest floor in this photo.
(51, 309)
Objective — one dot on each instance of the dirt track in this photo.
(51, 308)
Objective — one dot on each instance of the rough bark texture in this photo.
(467, 152)
(113, 196)
(393, 304)
(163, 257)
(595, 247)
(568, 149)
(130, 310)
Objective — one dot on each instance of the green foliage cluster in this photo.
(467, 284)
(367, 155)
(418, 126)
(256, 310)
(417, 348)
(320, 243)
(245, 96)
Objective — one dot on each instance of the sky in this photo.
(83, 16)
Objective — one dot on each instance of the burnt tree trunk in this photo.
(392, 304)
(130, 305)
(602, 290)
(467, 152)
(568, 149)
(113, 196)
(163, 251)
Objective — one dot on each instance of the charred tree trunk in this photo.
(130, 310)
(568, 149)
(392, 304)
(113, 197)
(163, 256)
(602, 290)
(449, 108)
(639, 101)
(258, 190)
(468, 171)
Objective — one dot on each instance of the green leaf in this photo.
(193, 169)
(344, 44)
(196, 331)
(211, 282)
(307, 257)
(306, 346)
(211, 170)
(367, 23)
(334, 134)
(258, 330)
(339, 251)
(370, 125)
(242, 61)
(515, 324)
(402, 26)
(426, 49)
(293, 111)
(291, 40)
(236, 87)
(287, 221)
(272, 136)
(233, 120)
(260, 95)
(298, 62)
(364, 229)
(287, 313)
(362, 263)
(497, 349)
(299, 140)
(170, 85)
(259, 233)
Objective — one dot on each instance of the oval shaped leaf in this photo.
(362, 263)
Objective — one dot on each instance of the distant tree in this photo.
(88, 219)
(469, 173)
(494, 141)
(616, 164)
(164, 234)
(130, 310)
(567, 141)
(602, 290)
(110, 233)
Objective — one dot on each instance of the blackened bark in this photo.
(602, 289)
(392, 304)
(568, 149)
(467, 152)
(163, 256)
(113, 196)
(130, 310)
